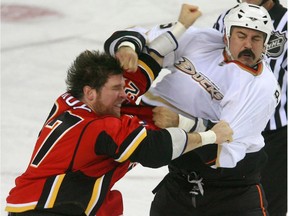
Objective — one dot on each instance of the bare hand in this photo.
(128, 58)
(223, 132)
(188, 15)
(164, 117)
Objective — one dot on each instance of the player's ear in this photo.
(89, 93)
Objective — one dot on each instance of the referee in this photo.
(274, 176)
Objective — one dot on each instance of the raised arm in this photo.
(127, 45)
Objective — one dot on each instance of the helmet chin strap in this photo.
(229, 53)
(227, 48)
(263, 54)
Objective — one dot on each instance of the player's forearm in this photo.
(160, 147)
(196, 140)
(193, 141)
(183, 142)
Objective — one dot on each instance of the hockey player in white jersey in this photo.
(212, 78)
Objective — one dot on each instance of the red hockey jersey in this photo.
(79, 156)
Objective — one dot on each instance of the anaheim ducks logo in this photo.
(276, 44)
(187, 67)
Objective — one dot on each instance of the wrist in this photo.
(178, 29)
(208, 137)
(126, 44)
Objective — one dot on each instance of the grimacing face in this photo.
(246, 45)
(107, 100)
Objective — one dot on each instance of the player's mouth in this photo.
(117, 107)
(247, 53)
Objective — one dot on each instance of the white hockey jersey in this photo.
(203, 84)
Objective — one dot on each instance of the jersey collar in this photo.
(256, 70)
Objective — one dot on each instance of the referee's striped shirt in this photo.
(276, 57)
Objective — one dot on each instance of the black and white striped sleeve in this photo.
(112, 43)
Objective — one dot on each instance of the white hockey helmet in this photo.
(249, 16)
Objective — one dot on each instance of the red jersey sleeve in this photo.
(137, 83)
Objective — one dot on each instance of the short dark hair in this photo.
(91, 68)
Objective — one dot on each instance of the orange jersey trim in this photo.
(254, 72)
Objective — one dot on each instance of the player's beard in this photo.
(112, 109)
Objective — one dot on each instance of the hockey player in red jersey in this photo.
(86, 145)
